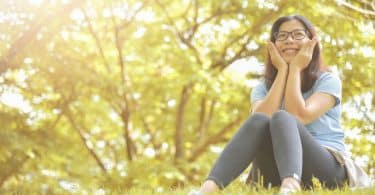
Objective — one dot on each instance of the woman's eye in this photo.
(282, 35)
(298, 34)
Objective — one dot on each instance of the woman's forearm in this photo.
(273, 99)
(294, 102)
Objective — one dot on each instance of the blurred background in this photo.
(102, 95)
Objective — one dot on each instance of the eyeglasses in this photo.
(298, 34)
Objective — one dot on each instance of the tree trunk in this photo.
(130, 147)
(179, 150)
(14, 169)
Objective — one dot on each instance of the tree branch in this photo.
(127, 92)
(30, 34)
(366, 12)
(78, 129)
(218, 137)
(149, 131)
(179, 150)
(181, 35)
(202, 116)
(97, 40)
(130, 146)
(205, 118)
(130, 20)
(14, 168)
(255, 29)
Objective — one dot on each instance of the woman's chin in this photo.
(288, 59)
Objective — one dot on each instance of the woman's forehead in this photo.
(291, 25)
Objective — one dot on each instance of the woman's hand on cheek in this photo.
(276, 58)
(304, 56)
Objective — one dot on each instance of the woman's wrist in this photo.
(295, 69)
(283, 70)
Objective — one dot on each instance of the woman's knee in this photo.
(258, 118)
(281, 116)
(282, 122)
(257, 121)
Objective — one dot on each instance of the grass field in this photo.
(238, 190)
(186, 191)
(235, 189)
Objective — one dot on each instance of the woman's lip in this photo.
(290, 51)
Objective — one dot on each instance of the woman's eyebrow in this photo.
(291, 30)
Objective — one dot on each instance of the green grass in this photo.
(224, 192)
(239, 190)
(233, 189)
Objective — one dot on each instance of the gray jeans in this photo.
(279, 147)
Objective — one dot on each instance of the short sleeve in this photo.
(258, 92)
(330, 84)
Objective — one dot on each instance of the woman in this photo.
(295, 121)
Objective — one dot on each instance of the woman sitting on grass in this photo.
(294, 132)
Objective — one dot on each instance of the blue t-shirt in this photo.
(327, 128)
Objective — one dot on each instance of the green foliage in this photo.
(118, 95)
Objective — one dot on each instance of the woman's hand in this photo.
(304, 56)
(276, 58)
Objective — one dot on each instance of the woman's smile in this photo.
(290, 51)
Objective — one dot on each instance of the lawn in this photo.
(236, 188)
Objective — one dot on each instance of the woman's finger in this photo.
(271, 47)
(304, 48)
(274, 50)
(311, 45)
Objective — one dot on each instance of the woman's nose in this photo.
(289, 38)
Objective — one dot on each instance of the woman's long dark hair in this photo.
(312, 71)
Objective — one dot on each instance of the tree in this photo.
(109, 92)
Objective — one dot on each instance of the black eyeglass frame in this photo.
(307, 33)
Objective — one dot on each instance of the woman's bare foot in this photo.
(289, 185)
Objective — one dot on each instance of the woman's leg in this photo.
(239, 152)
(298, 155)
(264, 171)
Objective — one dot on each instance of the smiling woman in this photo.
(288, 46)
(283, 43)
(294, 132)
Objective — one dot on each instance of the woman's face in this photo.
(291, 37)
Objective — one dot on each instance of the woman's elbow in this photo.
(300, 116)
(267, 112)
(303, 120)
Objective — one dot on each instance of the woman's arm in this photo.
(309, 110)
(273, 99)
(317, 104)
